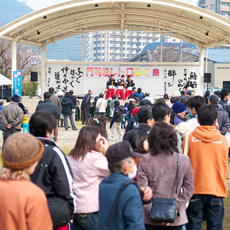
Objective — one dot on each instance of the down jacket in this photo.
(67, 106)
(12, 114)
(118, 112)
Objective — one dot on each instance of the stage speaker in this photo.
(34, 76)
(226, 85)
(207, 77)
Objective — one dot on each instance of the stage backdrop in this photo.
(154, 79)
(65, 77)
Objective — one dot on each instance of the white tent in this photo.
(4, 81)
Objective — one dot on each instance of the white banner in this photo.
(156, 80)
(65, 77)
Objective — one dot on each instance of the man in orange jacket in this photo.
(208, 152)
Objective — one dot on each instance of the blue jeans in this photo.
(85, 221)
(212, 206)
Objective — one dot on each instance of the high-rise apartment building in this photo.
(221, 7)
(106, 46)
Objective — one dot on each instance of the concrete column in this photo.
(82, 47)
(43, 70)
(201, 64)
(121, 45)
(206, 62)
(161, 47)
(14, 60)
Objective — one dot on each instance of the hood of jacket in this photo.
(66, 101)
(136, 117)
(120, 107)
(207, 134)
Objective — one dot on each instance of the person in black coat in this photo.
(67, 106)
(222, 115)
(57, 179)
(117, 119)
(85, 107)
(47, 105)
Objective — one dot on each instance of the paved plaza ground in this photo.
(67, 140)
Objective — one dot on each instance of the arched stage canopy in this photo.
(189, 23)
(186, 22)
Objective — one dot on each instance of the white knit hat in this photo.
(183, 129)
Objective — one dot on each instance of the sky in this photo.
(37, 5)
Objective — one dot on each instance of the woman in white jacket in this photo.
(101, 105)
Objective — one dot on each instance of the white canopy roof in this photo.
(4, 80)
(189, 23)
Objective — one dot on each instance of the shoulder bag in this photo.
(121, 189)
(97, 110)
(58, 207)
(164, 209)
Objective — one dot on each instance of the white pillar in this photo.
(14, 60)
(43, 70)
(206, 62)
(161, 47)
(121, 45)
(201, 64)
(82, 47)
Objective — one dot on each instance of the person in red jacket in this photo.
(130, 86)
(111, 87)
(120, 88)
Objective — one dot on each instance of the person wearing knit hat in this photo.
(24, 205)
(11, 116)
(183, 129)
(179, 112)
(15, 98)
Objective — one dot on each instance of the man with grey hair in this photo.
(222, 115)
(129, 210)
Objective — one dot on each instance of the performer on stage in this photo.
(120, 88)
(111, 86)
(130, 86)
(189, 85)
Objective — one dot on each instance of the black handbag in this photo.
(58, 207)
(164, 209)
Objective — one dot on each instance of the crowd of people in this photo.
(167, 172)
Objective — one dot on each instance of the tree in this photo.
(24, 58)
(30, 88)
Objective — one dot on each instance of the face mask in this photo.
(132, 175)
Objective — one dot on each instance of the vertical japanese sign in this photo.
(17, 82)
(65, 77)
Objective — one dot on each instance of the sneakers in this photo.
(75, 129)
(111, 138)
(118, 139)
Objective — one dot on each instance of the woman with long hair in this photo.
(89, 167)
